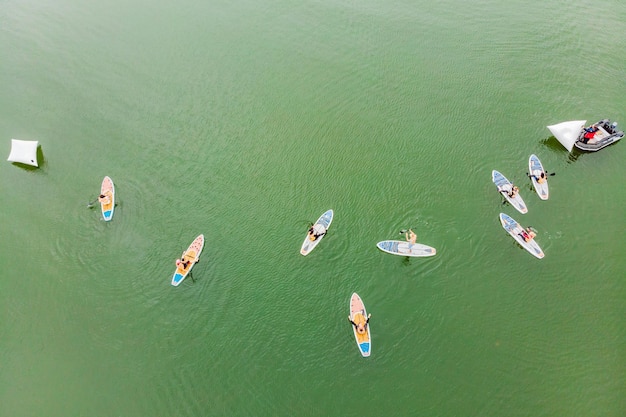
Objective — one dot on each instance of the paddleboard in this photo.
(502, 182)
(514, 229)
(108, 203)
(320, 226)
(192, 255)
(399, 247)
(358, 315)
(535, 168)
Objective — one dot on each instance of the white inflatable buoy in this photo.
(24, 152)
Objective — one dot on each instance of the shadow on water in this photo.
(25, 166)
(40, 157)
(406, 260)
(554, 145)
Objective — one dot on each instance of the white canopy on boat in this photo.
(567, 132)
(24, 152)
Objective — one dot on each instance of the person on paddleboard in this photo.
(509, 189)
(182, 264)
(542, 177)
(360, 327)
(527, 234)
(539, 176)
(411, 237)
(316, 231)
(104, 199)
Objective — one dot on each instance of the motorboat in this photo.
(586, 138)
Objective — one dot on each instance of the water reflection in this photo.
(554, 145)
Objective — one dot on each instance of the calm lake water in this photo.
(245, 121)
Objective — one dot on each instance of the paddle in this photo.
(552, 174)
(504, 200)
(90, 205)
(404, 230)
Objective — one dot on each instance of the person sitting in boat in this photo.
(362, 325)
(316, 231)
(411, 237)
(590, 132)
(104, 199)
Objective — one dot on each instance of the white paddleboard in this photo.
(402, 248)
(320, 227)
(535, 168)
(502, 182)
(515, 229)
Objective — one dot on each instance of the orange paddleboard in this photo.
(358, 315)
